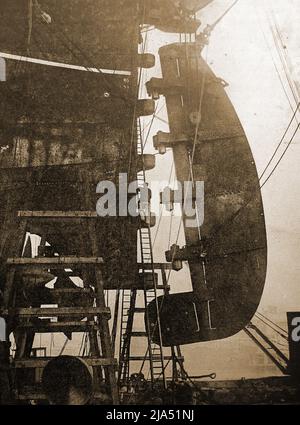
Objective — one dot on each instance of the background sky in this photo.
(243, 52)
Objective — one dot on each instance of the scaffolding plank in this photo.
(41, 362)
(155, 266)
(55, 312)
(58, 214)
(78, 290)
(33, 394)
(54, 261)
(142, 358)
(49, 327)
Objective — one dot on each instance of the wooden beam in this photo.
(33, 394)
(55, 312)
(75, 291)
(142, 358)
(45, 326)
(156, 266)
(57, 214)
(41, 362)
(54, 261)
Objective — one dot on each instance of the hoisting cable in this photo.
(266, 339)
(30, 23)
(271, 327)
(281, 50)
(284, 53)
(64, 346)
(280, 142)
(274, 62)
(151, 124)
(155, 116)
(253, 194)
(265, 350)
(209, 28)
(275, 324)
(213, 26)
(281, 157)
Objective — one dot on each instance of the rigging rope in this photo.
(150, 127)
(155, 116)
(273, 61)
(280, 142)
(281, 157)
(253, 194)
(30, 23)
(213, 26)
(63, 347)
(281, 50)
(284, 51)
(271, 327)
(275, 324)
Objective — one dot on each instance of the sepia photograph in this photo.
(150, 198)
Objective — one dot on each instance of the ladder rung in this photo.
(73, 291)
(141, 358)
(138, 333)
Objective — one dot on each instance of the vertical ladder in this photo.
(127, 317)
(154, 354)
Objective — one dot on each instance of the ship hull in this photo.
(227, 253)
